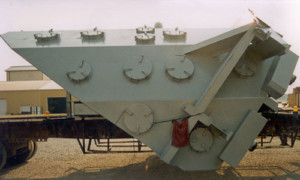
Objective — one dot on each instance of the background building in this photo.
(294, 98)
(29, 91)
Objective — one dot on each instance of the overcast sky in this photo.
(28, 15)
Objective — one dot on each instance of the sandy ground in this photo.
(62, 159)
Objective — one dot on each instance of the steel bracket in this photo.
(221, 74)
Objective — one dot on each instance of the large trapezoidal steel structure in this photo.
(143, 79)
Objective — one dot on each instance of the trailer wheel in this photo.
(24, 156)
(3, 155)
(33, 149)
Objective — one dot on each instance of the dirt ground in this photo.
(62, 159)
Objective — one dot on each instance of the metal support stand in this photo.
(69, 104)
(121, 146)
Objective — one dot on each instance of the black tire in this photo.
(18, 159)
(3, 155)
(26, 155)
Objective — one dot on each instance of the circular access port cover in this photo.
(79, 71)
(90, 35)
(245, 67)
(46, 36)
(137, 69)
(138, 118)
(174, 34)
(145, 38)
(201, 139)
(145, 29)
(180, 68)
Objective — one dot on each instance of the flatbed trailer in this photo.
(286, 125)
(19, 134)
(56, 126)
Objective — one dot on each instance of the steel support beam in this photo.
(221, 74)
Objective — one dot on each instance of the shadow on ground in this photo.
(154, 168)
(9, 167)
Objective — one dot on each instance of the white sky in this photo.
(27, 15)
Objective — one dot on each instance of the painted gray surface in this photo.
(217, 95)
(241, 140)
(276, 82)
(81, 109)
